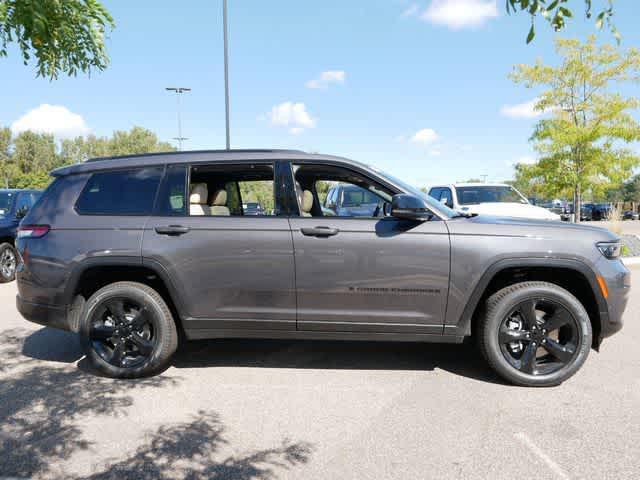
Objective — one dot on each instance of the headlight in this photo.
(610, 250)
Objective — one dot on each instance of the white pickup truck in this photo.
(496, 199)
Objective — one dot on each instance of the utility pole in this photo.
(484, 178)
(179, 91)
(226, 71)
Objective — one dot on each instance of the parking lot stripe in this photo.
(538, 452)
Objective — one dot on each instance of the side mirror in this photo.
(22, 212)
(410, 207)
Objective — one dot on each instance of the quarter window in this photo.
(123, 192)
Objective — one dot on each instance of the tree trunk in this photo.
(577, 204)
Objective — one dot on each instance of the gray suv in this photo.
(131, 251)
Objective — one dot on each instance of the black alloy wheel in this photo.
(539, 337)
(122, 333)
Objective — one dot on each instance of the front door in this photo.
(365, 273)
(232, 268)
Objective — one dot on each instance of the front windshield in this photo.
(489, 194)
(432, 202)
(6, 201)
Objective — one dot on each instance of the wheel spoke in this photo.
(508, 335)
(558, 319)
(144, 346)
(139, 319)
(117, 355)
(101, 332)
(116, 307)
(528, 311)
(528, 359)
(564, 353)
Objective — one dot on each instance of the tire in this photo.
(8, 262)
(127, 331)
(535, 334)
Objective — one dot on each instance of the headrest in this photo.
(199, 193)
(219, 198)
(307, 201)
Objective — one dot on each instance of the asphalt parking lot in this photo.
(267, 410)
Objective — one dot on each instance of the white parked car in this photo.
(496, 199)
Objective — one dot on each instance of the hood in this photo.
(524, 226)
(507, 209)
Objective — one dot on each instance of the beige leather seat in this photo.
(306, 203)
(219, 203)
(198, 200)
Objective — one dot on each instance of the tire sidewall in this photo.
(505, 305)
(3, 248)
(143, 298)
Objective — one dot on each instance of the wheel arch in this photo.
(94, 273)
(573, 275)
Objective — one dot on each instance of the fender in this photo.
(123, 261)
(464, 323)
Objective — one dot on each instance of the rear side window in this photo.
(172, 197)
(123, 192)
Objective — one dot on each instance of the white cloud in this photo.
(53, 119)
(326, 79)
(426, 136)
(435, 152)
(522, 110)
(291, 115)
(459, 14)
(524, 160)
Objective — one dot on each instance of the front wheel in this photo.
(127, 330)
(8, 262)
(535, 334)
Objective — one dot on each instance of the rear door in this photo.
(230, 271)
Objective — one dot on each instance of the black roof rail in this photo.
(191, 152)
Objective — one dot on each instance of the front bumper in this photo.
(618, 280)
(47, 315)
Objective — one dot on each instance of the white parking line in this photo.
(524, 438)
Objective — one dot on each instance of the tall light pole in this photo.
(179, 91)
(226, 71)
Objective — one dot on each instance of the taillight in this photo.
(33, 231)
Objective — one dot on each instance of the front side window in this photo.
(489, 194)
(445, 197)
(122, 192)
(350, 194)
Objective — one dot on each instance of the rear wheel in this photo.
(127, 330)
(535, 334)
(8, 262)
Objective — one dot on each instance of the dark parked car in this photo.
(599, 211)
(346, 200)
(630, 215)
(14, 205)
(252, 208)
(130, 251)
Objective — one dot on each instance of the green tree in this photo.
(580, 143)
(557, 12)
(64, 36)
(27, 159)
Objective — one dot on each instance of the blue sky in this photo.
(417, 88)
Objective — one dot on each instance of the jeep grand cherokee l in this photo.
(129, 251)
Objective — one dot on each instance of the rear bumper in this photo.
(47, 315)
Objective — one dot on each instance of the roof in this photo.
(195, 156)
(472, 184)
